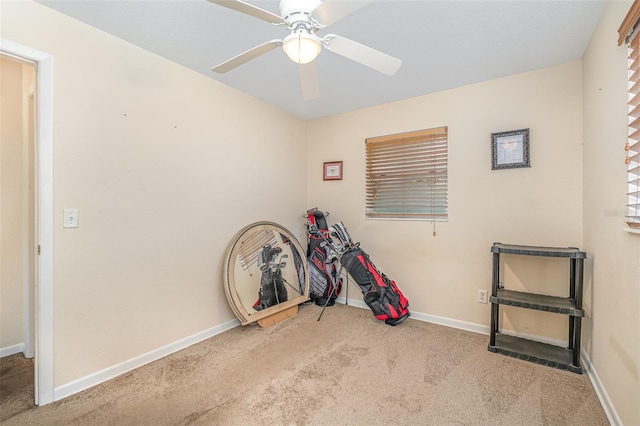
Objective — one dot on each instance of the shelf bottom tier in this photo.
(540, 353)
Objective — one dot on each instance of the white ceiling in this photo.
(442, 44)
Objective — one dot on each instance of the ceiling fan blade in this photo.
(309, 81)
(330, 11)
(247, 56)
(251, 10)
(363, 54)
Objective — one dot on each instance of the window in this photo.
(628, 33)
(406, 175)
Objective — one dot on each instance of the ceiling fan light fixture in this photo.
(301, 47)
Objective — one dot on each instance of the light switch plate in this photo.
(70, 218)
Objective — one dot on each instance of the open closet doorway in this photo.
(18, 246)
(26, 213)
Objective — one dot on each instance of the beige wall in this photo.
(11, 205)
(612, 326)
(165, 165)
(541, 205)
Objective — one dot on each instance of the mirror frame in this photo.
(230, 291)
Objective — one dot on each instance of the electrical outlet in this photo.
(482, 296)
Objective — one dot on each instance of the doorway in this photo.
(35, 253)
(17, 234)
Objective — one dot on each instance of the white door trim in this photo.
(29, 188)
(44, 291)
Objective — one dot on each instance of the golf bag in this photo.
(381, 294)
(324, 283)
(298, 262)
(272, 289)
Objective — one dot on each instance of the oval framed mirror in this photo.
(265, 272)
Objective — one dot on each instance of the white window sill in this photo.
(632, 230)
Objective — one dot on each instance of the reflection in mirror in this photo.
(265, 272)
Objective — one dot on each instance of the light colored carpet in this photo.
(347, 369)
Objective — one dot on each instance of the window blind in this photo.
(252, 247)
(406, 175)
(628, 33)
(633, 143)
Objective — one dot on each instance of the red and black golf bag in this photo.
(381, 294)
(324, 283)
(326, 245)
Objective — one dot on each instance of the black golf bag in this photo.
(298, 262)
(324, 283)
(272, 289)
(381, 294)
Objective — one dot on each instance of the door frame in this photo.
(44, 384)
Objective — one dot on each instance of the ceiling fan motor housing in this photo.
(297, 11)
(302, 45)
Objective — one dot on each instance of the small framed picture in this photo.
(332, 170)
(510, 149)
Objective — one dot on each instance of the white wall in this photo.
(11, 208)
(541, 205)
(612, 295)
(165, 166)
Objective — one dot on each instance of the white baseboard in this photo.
(541, 339)
(126, 366)
(352, 302)
(462, 325)
(11, 350)
(599, 388)
(434, 319)
(448, 322)
(603, 396)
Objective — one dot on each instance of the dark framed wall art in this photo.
(510, 150)
(332, 170)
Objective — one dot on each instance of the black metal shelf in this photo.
(541, 353)
(539, 302)
(570, 252)
(538, 352)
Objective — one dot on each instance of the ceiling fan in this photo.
(303, 18)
